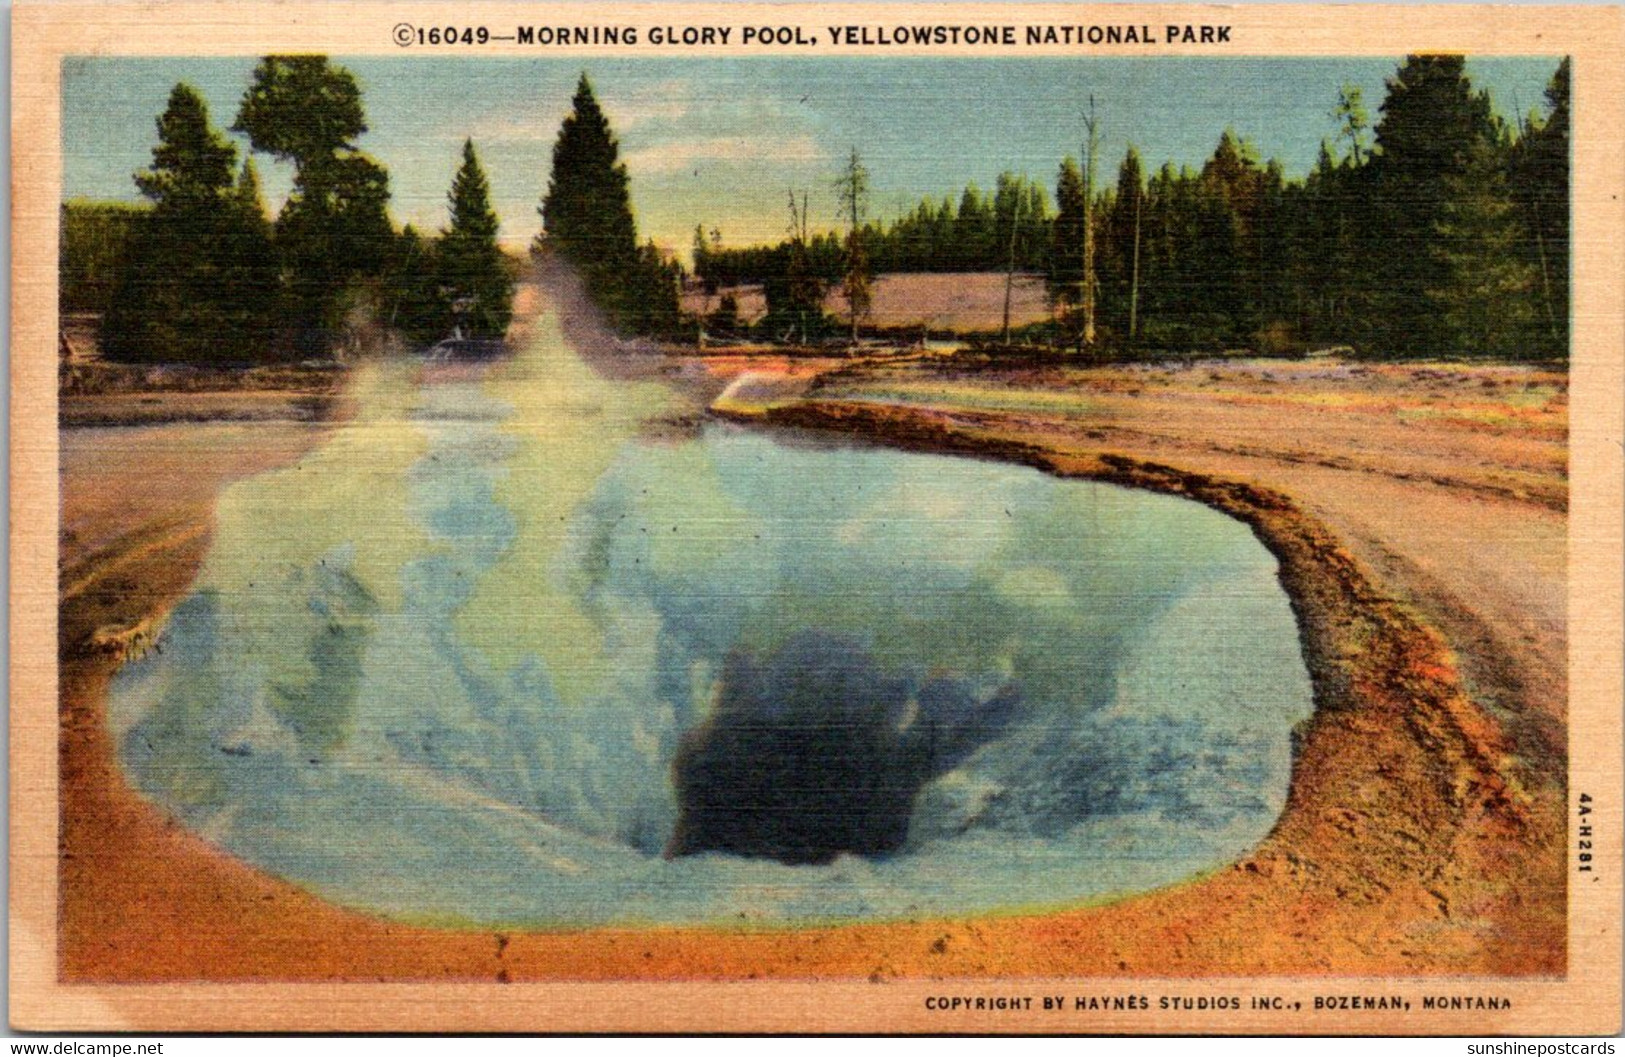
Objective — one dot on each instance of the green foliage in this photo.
(1021, 219)
(432, 288)
(587, 214)
(332, 231)
(1432, 126)
(857, 284)
(1449, 236)
(192, 161)
(701, 253)
(302, 109)
(921, 241)
(93, 251)
(1485, 301)
(974, 241)
(1539, 187)
(203, 275)
(1065, 278)
(473, 272)
(587, 220)
(199, 282)
(930, 238)
(1120, 242)
(725, 320)
(1353, 121)
(251, 283)
(794, 283)
(335, 225)
(649, 300)
(413, 302)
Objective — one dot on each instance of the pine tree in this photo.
(413, 303)
(249, 199)
(1120, 256)
(650, 302)
(973, 232)
(303, 109)
(792, 287)
(251, 283)
(1486, 300)
(587, 220)
(1270, 297)
(1432, 126)
(335, 225)
(1353, 122)
(587, 214)
(1540, 187)
(193, 163)
(942, 255)
(93, 251)
(1320, 241)
(1222, 258)
(1034, 224)
(199, 278)
(700, 252)
(1009, 200)
(1444, 237)
(1065, 279)
(472, 269)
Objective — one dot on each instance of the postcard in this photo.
(793, 518)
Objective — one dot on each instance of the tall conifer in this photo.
(335, 225)
(1540, 187)
(1485, 300)
(587, 220)
(587, 214)
(198, 280)
(1066, 252)
(472, 268)
(1432, 128)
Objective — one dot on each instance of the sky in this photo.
(719, 142)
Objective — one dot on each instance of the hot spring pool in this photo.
(500, 654)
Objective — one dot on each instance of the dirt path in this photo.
(1488, 570)
(1423, 833)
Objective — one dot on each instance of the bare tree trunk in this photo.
(1545, 275)
(852, 241)
(1010, 272)
(1134, 279)
(1087, 335)
(1548, 309)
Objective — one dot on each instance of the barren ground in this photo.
(960, 301)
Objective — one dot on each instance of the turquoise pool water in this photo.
(505, 651)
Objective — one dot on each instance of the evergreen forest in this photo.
(1430, 228)
(1439, 230)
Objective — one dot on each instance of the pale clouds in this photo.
(508, 128)
(700, 153)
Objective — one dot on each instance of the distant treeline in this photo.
(1446, 236)
(1439, 231)
(94, 242)
(975, 236)
(202, 274)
